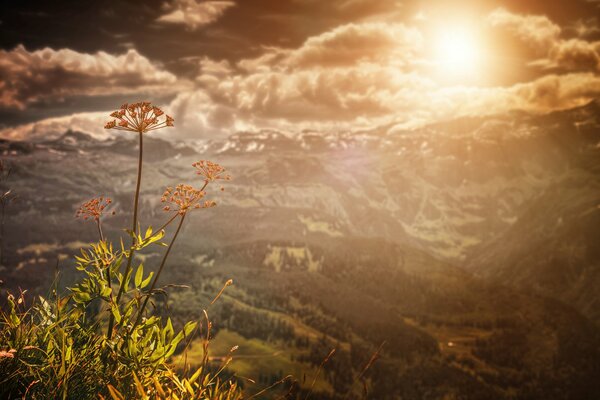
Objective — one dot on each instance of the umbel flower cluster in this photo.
(210, 171)
(139, 117)
(183, 198)
(93, 208)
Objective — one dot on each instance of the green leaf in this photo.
(139, 275)
(196, 375)
(168, 331)
(127, 280)
(188, 328)
(82, 297)
(106, 291)
(146, 281)
(116, 313)
(14, 319)
(170, 351)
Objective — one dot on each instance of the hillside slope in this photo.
(348, 240)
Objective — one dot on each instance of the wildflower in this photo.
(139, 117)
(210, 171)
(183, 198)
(93, 208)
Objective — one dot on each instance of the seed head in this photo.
(210, 171)
(183, 198)
(139, 117)
(93, 208)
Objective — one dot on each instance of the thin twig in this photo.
(279, 382)
(368, 365)
(312, 385)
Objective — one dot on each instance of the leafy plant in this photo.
(100, 340)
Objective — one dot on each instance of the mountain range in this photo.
(470, 247)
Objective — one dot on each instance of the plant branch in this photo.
(157, 276)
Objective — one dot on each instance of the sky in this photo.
(223, 66)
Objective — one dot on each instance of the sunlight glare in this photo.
(456, 51)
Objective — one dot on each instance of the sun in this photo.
(456, 51)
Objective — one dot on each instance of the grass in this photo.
(255, 355)
(300, 329)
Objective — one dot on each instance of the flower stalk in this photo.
(141, 118)
(134, 226)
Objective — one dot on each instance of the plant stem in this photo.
(100, 230)
(160, 268)
(111, 321)
(108, 277)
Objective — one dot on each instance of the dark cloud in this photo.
(49, 75)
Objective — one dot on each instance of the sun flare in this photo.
(456, 51)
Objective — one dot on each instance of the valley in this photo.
(468, 248)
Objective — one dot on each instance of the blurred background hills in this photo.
(469, 247)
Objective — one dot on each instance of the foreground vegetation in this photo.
(101, 338)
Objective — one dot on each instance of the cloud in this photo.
(538, 30)
(215, 68)
(574, 54)
(343, 46)
(49, 75)
(351, 72)
(557, 91)
(542, 95)
(352, 77)
(194, 14)
(51, 128)
(355, 76)
(198, 115)
(585, 27)
(352, 43)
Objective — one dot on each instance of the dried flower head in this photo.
(139, 117)
(183, 198)
(210, 171)
(94, 208)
